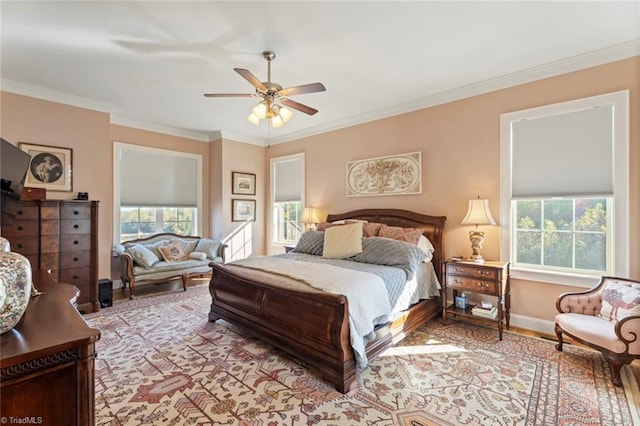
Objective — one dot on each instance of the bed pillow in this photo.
(209, 247)
(369, 229)
(143, 256)
(342, 241)
(620, 300)
(372, 229)
(425, 245)
(311, 242)
(410, 235)
(386, 251)
(173, 252)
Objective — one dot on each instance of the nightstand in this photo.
(488, 278)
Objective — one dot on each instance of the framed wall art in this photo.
(243, 183)
(243, 210)
(399, 174)
(49, 168)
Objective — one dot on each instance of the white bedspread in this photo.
(365, 292)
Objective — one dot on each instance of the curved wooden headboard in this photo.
(433, 226)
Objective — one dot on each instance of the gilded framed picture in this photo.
(243, 183)
(49, 168)
(243, 210)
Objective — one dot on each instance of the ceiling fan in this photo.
(273, 107)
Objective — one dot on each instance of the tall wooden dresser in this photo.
(60, 236)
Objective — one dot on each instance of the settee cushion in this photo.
(173, 252)
(143, 255)
(209, 247)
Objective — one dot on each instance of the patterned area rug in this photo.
(161, 362)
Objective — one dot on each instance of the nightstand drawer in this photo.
(472, 271)
(472, 284)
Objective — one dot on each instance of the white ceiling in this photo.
(149, 63)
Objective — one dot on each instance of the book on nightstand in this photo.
(484, 312)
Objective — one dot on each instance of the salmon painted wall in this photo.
(86, 132)
(460, 145)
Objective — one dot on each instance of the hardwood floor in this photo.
(147, 290)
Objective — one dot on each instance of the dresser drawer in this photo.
(79, 277)
(50, 244)
(76, 226)
(75, 212)
(472, 284)
(75, 242)
(24, 245)
(74, 259)
(472, 271)
(22, 228)
(27, 212)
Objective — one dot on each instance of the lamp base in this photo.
(475, 259)
(476, 238)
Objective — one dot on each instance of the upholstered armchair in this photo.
(606, 318)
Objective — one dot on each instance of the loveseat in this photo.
(164, 257)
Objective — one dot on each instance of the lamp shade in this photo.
(478, 213)
(309, 216)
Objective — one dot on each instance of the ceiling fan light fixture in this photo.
(253, 119)
(276, 122)
(285, 113)
(260, 110)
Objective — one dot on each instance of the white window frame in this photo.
(273, 162)
(620, 219)
(117, 149)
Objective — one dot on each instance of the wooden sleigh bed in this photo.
(314, 327)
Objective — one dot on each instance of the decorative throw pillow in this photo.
(311, 242)
(197, 255)
(173, 252)
(143, 256)
(210, 247)
(410, 235)
(155, 247)
(189, 245)
(620, 300)
(371, 229)
(342, 241)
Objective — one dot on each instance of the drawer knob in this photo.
(19, 212)
(75, 277)
(76, 212)
(20, 228)
(76, 242)
(20, 246)
(76, 226)
(75, 259)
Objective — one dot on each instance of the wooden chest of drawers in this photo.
(60, 236)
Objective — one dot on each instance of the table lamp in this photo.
(309, 218)
(478, 214)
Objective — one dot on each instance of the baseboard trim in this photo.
(533, 324)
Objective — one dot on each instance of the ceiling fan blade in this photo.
(298, 106)
(251, 78)
(229, 95)
(305, 88)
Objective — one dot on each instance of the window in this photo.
(564, 190)
(287, 183)
(157, 191)
(140, 222)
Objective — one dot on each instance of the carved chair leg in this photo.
(559, 335)
(616, 365)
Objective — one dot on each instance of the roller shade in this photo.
(288, 180)
(157, 178)
(565, 155)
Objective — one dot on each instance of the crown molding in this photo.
(38, 92)
(161, 128)
(571, 64)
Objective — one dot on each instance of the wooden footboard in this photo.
(313, 327)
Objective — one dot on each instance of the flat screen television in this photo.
(13, 170)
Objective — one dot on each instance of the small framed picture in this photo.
(243, 210)
(50, 167)
(243, 183)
